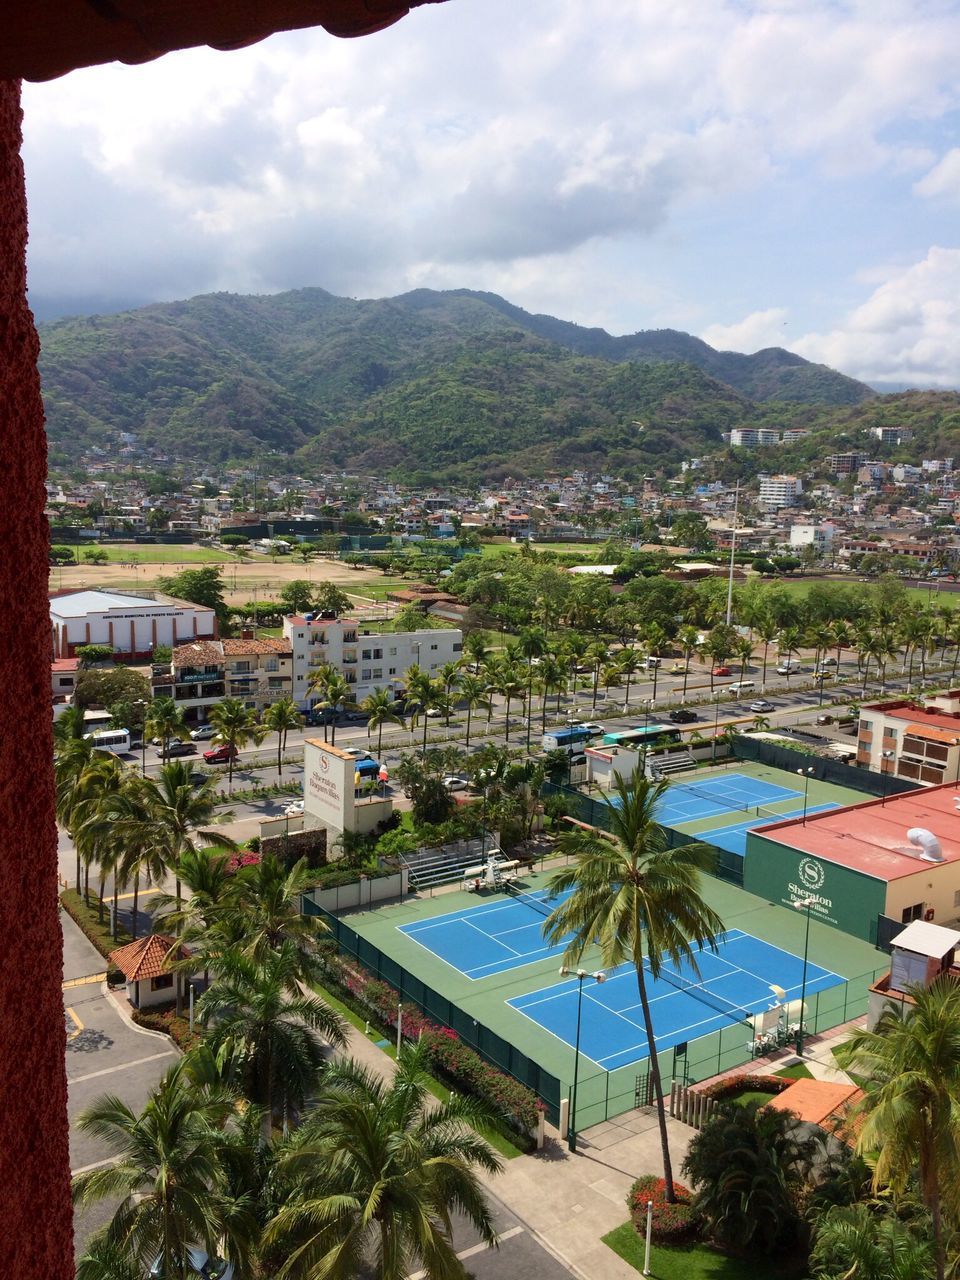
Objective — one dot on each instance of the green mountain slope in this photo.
(441, 383)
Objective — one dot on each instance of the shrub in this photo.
(730, 1086)
(671, 1222)
(163, 1017)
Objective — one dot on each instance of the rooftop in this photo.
(921, 717)
(145, 957)
(872, 837)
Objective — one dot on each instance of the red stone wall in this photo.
(36, 1239)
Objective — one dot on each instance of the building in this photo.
(815, 535)
(258, 671)
(893, 859)
(132, 623)
(779, 491)
(751, 437)
(63, 677)
(845, 464)
(919, 955)
(893, 435)
(367, 660)
(908, 740)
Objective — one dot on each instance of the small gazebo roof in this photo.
(146, 957)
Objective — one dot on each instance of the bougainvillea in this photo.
(730, 1086)
(674, 1222)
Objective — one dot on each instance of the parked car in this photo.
(202, 1264)
(683, 715)
(202, 732)
(761, 704)
(293, 810)
(454, 783)
(220, 755)
(177, 749)
(721, 671)
(358, 753)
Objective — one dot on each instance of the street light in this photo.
(885, 755)
(804, 904)
(805, 773)
(581, 975)
(716, 695)
(141, 702)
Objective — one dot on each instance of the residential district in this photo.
(596, 842)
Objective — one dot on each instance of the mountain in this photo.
(439, 383)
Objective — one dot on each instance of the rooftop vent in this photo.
(924, 845)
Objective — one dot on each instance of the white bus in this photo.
(115, 740)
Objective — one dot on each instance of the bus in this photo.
(571, 739)
(116, 741)
(642, 735)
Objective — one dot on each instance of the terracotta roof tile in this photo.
(145, 957)
(269, 644)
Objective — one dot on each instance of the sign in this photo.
(329, 786)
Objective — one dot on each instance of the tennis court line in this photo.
(540, 1027)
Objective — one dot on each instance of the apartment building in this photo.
(751, 437)
(779, 491)
(817, 535)
(258, 671)
(367, 660)
(845, 464)
(920, 742)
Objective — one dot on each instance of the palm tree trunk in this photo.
(506, 732)
(80, 872)
(116, 895)
(86, 884)
(103, 881)
(136, 899)
(657, 1086)
(469, 714)
(380, 739)
(279, 756)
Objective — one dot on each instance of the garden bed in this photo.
(692, 1261)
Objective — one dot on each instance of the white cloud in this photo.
(752, 333)
(943, 180)
(908, 330)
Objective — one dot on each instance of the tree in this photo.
(92, 655)
(859, 1241)
(269, 1035)
(267, 899)
(432, 801)
(377, 1174)
(199, 586)
(164, 720)
(99, 687)
(167, 1174)
(751, 1166)
(911, 1112)
(236, 725)
(639, 899)
(280, 718)
(379, 709)
(421, 692)
(297, 596)
(329, 598)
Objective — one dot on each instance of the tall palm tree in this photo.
(280, 718)
(421, 691)
(379, 710)
(473, 690)
(596, 656)
(788, 643)
(142, 847)
(267, 899)
(211, 888)
(378, 1172)
(77, 770)
(842, 638)
(688, 639)
(509, 685)
(317, 683)
(475, 650)
(269, 1036)
(856, 1242)
(766, 628)
(236, 725)
(533, 645)
(639, 899)
(911, 1109)
(92, 821)
(167, 1175)
(179, 812)
(629, 662)
(164, 720)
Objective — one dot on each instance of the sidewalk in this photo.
(568, 1201)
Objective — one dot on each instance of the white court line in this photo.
(490, 938)
(123, 1066)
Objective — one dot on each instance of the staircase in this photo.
(669, 763)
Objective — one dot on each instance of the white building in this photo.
(367, 660)
(131, 623)
(817, 535)
(780, 491)
(751, 437)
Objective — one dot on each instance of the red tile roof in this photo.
(145, 957)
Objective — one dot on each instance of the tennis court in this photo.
(724, 793)
(734, 837)
(484, 940)
(733, 985)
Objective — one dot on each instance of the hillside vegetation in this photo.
(441, 384)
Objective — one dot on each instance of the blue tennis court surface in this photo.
(734, 838)
(691, 801)
(481, 941)
(733, 984)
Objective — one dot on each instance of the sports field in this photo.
(486, 954)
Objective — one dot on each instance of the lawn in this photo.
(692, 1261)
(800, 587)
(157, 553)
(799, 1071)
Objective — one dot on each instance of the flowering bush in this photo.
(165, 1018)
(671, 1222)
(242, 858)
(730, 1086)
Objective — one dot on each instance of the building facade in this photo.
(918, 742)
(779, 491)
(132, 623)
(366, 660)
(259, 672)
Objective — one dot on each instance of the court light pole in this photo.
(803, 905)
(716, 722)
(805, 773)
(581, 975)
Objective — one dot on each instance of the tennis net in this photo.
(729, 803)
(530, 899)
(699, 992)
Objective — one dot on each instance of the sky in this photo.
(756, 172)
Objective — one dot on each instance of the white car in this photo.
(293, 810)
(454, 783)
(434, 713)
(201, 1262)
(358, 753)
(202, 732)
(592, 727)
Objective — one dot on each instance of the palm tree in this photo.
(377, 1174)
(533, 645)
(858, 1241)
(378, 708)
(212, 888)
(142, 845)
(911, 1108)
(92, 822)
(317, 682)
(596, 656)
(421, 691)
(340, 695)
(688, 639)
(69, 726)
(842, 638)
(268, 1034)
(280, 717)
(766, 628)
(178, 812)
(743, 649)
(629, 662)
(510, 686)
(167, 1175)
(267, 898)
(475, 650)
(164, 720)
(77, 770)
(473, 691)
(236, 725)
(639, 899)
(788, 643)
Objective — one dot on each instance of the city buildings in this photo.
(910, 740)
(258, 671)
(780, 491)
(132, 623)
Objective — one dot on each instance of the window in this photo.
(912, 913)
(433, 646)
(378, 673)
(365, 673)
(956, 897)
(392, 652)
(366, 655)
(378, 653)
(866, 726)
(241, 666)
(161, 982)
(391, 671)
(272, 664)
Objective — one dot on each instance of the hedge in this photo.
(87, 920)
(164, 1017)
(449, 1058)
(672, 1223)
(730, 1086)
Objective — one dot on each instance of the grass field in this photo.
(801, 586)
(156, 553)
(690, 1261)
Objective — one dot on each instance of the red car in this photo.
(220, 755)
(721, 671)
